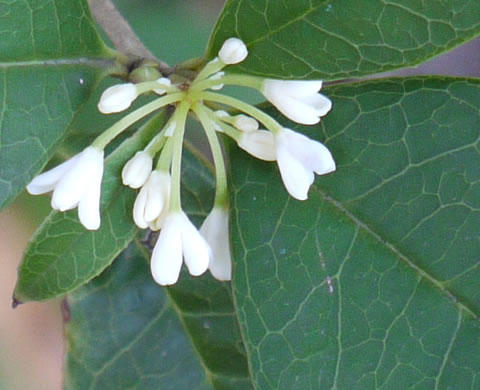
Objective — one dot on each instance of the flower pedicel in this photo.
(77, 182)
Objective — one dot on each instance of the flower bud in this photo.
(136, 171)
(222, 114)
(163, 84)
(245, 123)
(233, 51)
(152, 201)
(117, 98)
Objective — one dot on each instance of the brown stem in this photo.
(120, 33)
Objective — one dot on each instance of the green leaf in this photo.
(372, 283)
(128, 332)
(124, 333)
(330, 40)
(63, 255)
(51, 60)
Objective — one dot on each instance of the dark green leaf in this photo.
(125, 333)
(51, 59)
(372, 283)
(329, 40)
(63, 255)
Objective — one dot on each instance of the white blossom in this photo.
(117, 98)
(150, 207)
(233, 51)
(297, 100)
(298, 158)
(75, 183)
(136, 171)
(215, 230)
(178, 238)
(260, 143)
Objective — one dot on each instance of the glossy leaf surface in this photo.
(125, 331)
(330, 40)
(372, 283)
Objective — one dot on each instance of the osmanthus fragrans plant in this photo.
(334, 243)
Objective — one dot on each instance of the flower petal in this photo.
(166, 260)
(260, 144)
(215, 230)
(139, 208)
(74, 183)
(89, 204)
(293, 88)
(321, 104)
(136, 171)
(296, 177)
(46, 181)
(196, 250)
(313, 155)
(297, 111)
(158, 193)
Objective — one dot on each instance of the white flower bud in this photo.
(163, 84)
(136, 171)
(222, 114)
(245, 123)
(117, 98)
(233, 51)
(152, 200)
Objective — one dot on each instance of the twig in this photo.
(120, 33)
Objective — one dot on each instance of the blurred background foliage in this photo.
(31, 345)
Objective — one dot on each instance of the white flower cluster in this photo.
(77, 182)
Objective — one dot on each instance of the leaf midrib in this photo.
(288, 23)
(398, 253)
(88, 61)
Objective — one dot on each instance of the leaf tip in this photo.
(16, 302)
(66, 313)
